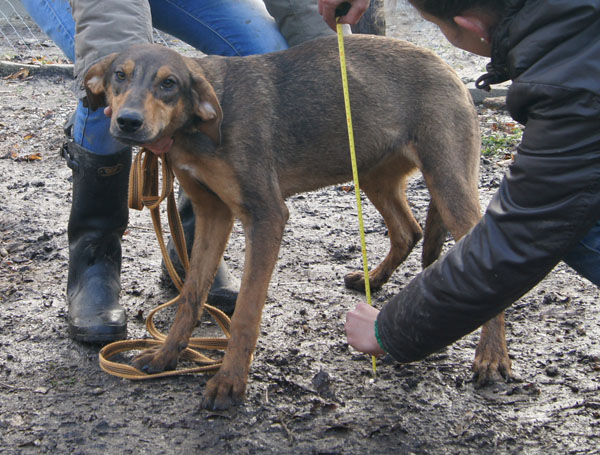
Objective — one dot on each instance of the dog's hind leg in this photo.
(491, 363)
(434, 235)
(456, 202)
(386, 189)
(214, 222)
(264, 223)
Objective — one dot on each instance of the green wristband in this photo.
(377, 337)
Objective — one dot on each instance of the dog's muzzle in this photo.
(130, 121)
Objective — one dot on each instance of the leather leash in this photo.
(143, 192)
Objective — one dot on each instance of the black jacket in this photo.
(550, 196)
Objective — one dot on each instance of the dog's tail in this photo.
(434, 235)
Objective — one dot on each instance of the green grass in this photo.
(501, 143)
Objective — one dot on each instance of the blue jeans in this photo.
(221, 27)
(585, 257)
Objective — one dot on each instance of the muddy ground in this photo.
(308, 392)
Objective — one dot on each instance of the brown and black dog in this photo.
(244, 133)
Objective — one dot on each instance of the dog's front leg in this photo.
(264, 231)
(213, 226)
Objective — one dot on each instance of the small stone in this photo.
(496, 103)
(552, 371)
(321, 381)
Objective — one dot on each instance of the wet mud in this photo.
(308, 392)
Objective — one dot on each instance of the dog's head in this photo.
(153, 92)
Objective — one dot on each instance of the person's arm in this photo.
(549, 199)
(357, 9)
(297, 20)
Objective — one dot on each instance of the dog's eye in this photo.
(120, 75)
(168, 83)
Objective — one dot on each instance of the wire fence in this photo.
(21, 40)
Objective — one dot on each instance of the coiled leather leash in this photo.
(143, 192)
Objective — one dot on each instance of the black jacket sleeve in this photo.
(549, 199)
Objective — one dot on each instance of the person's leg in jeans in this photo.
(219, 27)
(585, 257)
(100, 164)
(99, 212)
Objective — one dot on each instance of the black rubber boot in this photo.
(224, 291)
(98, 219)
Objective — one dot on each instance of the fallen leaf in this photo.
(41, 61)
(31, 157)
(20, 75)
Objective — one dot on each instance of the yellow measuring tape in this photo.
(363, 244)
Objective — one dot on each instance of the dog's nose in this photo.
(130, 121)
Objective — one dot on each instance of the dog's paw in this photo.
(223, 391)
(155, 360)
(356, 281)
(491, 368)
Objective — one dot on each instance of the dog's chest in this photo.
(197, 172)
(191, 171)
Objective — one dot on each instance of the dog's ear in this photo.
(207, 109)
(95, 80)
